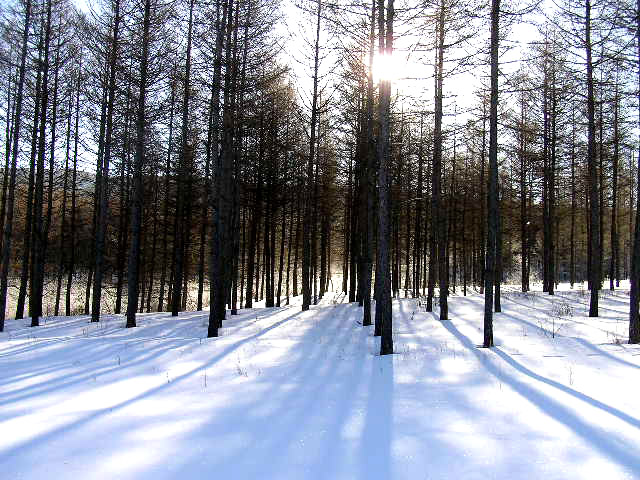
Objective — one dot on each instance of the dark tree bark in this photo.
(594, 215)
(133, 269)
(154, 241)
(296, 247)
(124, 214)
(28, 233)
(634, 294)
(370, 182)
(211, 145)
(167, 186)
(492, 195)
(185, 156)
(65, 185)
(614, 268)
(74, 184)
(572, 260)
(306, 226)
(220, 253)
(39, 227)
(383, 301)
(8, 222)
(437, 205)
(417, 243)
(524, 220)
(104, 185)
(281, 259)
(497, 306)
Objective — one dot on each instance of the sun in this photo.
(387, 67)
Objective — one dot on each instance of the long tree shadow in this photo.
(118, 352)
(324, 373)
(146, 394)
(574, 393)
(604, 353)
(516, 317)
(375, 443)
(112, 353)
(613, 448)
(595, 403)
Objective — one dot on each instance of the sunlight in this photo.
(388, 67)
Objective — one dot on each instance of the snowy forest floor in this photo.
(284, 394)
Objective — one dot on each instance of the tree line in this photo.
(164, 156)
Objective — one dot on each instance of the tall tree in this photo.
(185, 153)
(492, 191)
(634, 294)
(104, 178)
(133, 270)
(383, 301)
(8, 222)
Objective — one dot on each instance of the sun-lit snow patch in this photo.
(164, 428)
(130, 461)
(454, 368)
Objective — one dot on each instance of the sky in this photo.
(410, 71)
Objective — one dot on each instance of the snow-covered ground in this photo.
(284, 394)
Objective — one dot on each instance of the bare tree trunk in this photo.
(296, 248)
(572, 267)
(383, 302)
(552, 181)
(524, 221)
(65, 184)
(137, 203)
(497, 306)
(370, 181)
(123, 223)
(104, 204)
(634, 294)
(594, 216)
(306, 226)
(437, 205)
(217, 271)
(289, 249)
(252, 268)
(72, 240)
(28, 232)
(417, 242)
(205, 206)
(185, 155)
(39, 245)
(492, 197)
(10, 121)
(614, 269)
(8, 225)
(154, 241)
(167, 187)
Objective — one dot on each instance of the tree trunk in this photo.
(306, 226)
(39, 245)
(383, 302)
(8, 225)
(137, 200)
(104, 194)
(65, 184)
(492, 197)
(72, 240)
(594, 216)
(437, 205)
(634, 294)
(28, 233)
(185, 156)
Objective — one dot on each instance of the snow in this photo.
(284, 394)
